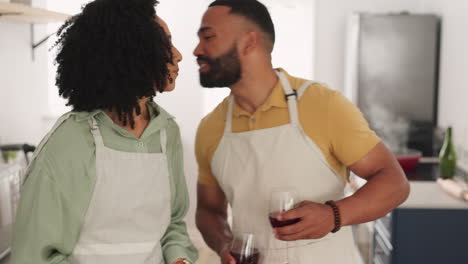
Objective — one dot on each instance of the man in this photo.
(276, 130)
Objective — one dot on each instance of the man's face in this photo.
(217, 52)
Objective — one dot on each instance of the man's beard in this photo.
(224, 70)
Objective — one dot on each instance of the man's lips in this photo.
(204, 66)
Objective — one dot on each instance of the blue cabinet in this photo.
(419, 235)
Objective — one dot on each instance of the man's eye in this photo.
(208, 37)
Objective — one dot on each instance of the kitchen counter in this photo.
(427, 194)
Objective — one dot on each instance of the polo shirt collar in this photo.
(275, 99)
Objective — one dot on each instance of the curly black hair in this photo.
(112, 54)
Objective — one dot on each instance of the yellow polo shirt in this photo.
(328, 118)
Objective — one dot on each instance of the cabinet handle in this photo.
(382, 248)
(381, 235)
(379, 251)
(377, 260)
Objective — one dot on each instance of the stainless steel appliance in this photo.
(392, 75)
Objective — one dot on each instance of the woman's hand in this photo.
(180, 261)
(226, 257)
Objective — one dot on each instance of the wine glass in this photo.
(244, 249)
(282, 201)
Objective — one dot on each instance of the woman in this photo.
(106, 185)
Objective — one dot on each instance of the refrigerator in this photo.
(391, 74)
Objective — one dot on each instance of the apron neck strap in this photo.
(228, 126)
(96, 132)
(303, 88)
(291, 97)
(163, 139)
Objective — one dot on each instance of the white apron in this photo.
(250, 165)
(129, 211)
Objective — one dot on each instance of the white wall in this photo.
(453, 85)
(294, 45)
(22, 82)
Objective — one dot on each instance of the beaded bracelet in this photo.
(336, 213)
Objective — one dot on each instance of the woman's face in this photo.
(174, 67)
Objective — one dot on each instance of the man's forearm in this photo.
(214, 229)
(376, 198)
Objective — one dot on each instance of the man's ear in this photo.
(249, 42)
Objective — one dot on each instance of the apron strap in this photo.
(96, 132)
(303, 88)
(291, 98)
(163, 139)
(291, 95)
(39, 148)
(228, 126)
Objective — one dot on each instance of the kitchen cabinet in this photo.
(431, 227)
(429, 236)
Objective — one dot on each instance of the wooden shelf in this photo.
(19, 13)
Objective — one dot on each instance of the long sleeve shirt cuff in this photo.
(178, 252)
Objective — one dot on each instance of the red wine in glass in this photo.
(244, 248)
(282, 201)
(246, 259)
(277, 223)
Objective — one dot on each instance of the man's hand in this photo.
(317, 220)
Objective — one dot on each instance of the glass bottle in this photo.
(447, 157)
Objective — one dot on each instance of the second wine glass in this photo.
(244, 249)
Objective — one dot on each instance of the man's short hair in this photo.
(254, 11)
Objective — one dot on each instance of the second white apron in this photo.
(250, 165)
(130, 208)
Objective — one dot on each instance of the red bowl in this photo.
(408, 159)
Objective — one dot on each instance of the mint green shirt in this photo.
(58, 189)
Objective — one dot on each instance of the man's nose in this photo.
(198, 50)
